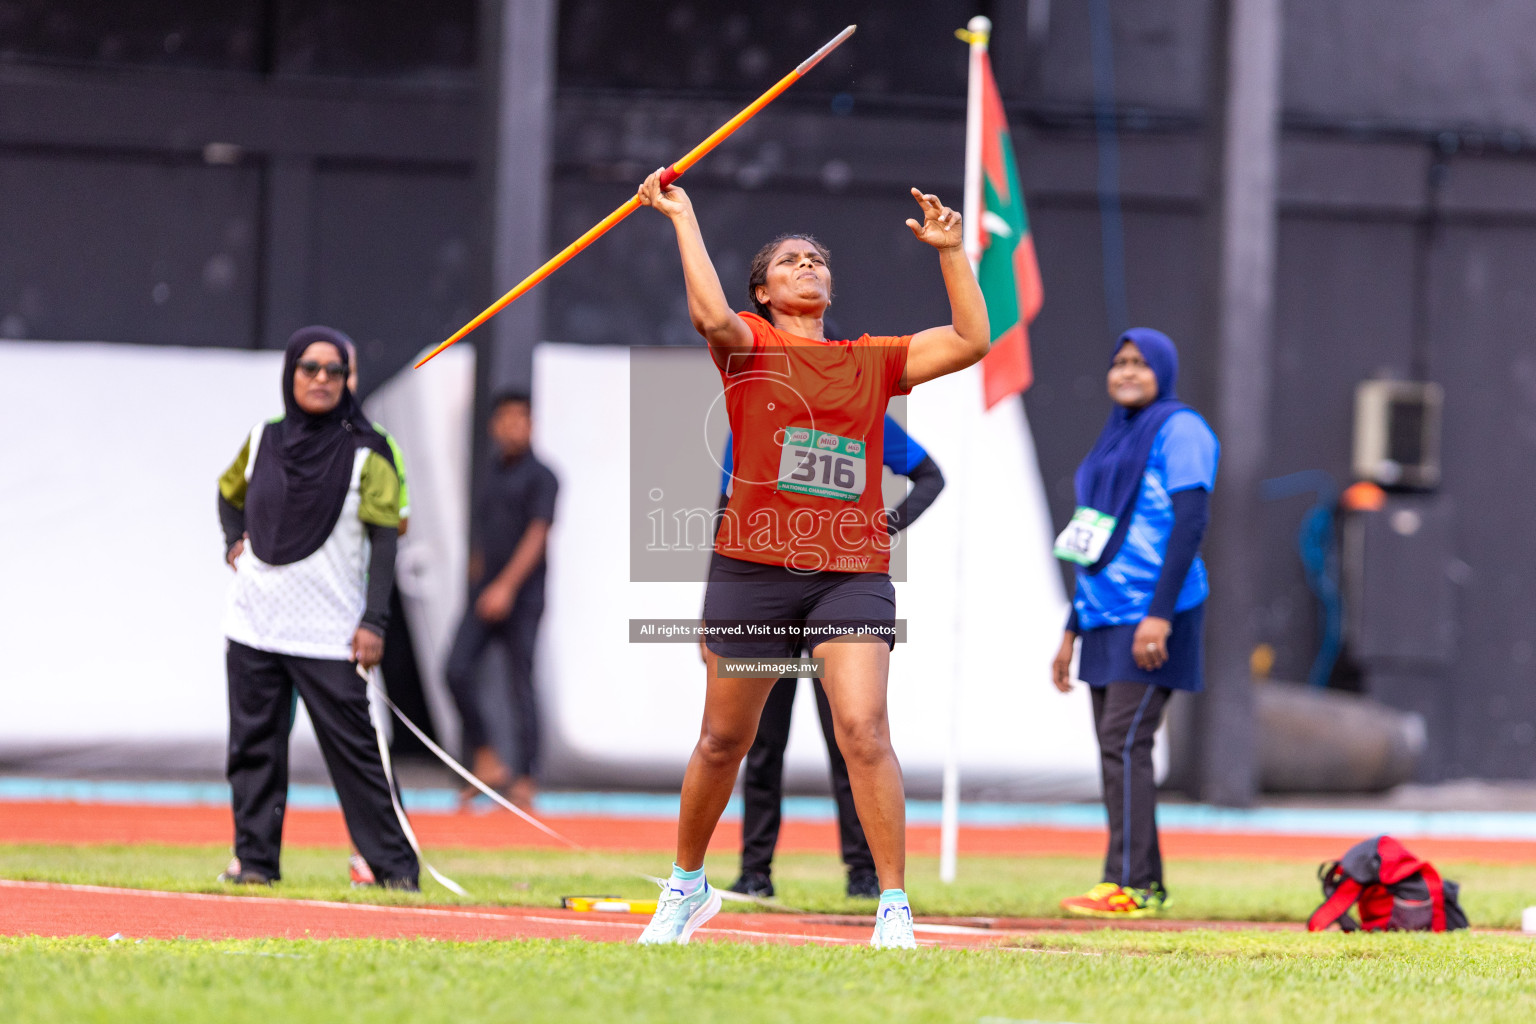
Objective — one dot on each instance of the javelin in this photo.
(668, 176)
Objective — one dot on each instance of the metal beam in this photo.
(1245, 152)
(520, 87)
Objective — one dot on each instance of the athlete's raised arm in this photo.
(708, 308)
(941, 350)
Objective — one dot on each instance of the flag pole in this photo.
(977, 33)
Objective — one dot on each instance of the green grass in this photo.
(1104, 977)
(1146, 978)
(1259, 890)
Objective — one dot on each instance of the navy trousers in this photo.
(1125, 716)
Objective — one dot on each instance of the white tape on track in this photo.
(371, 677)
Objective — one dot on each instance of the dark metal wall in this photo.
(1375, 94)
(342, 186)
(220, 173)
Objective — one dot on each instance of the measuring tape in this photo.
(374, 683)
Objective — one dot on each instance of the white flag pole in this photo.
(978, 33)
(979, 30)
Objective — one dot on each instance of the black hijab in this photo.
(304, 463)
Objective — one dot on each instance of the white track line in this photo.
(279, 900)
(509, 917)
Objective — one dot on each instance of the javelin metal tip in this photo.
(831, 45)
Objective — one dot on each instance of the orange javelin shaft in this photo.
(668, 176)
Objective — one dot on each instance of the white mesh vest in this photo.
(311, 607)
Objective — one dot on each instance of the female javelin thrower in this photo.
(803, 540)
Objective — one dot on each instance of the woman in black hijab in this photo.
(310, 510)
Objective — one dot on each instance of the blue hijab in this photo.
(1109, 479)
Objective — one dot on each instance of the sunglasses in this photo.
(311, 369)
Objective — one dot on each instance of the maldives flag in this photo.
(1002, 249)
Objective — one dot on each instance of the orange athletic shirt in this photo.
(808, 421)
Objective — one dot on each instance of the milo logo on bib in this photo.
(823, 464)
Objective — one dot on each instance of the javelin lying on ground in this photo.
(668, 177)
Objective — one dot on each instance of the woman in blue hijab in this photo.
(1143, 500)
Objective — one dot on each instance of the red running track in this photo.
(97, 824)
(40, 908)
(48, 909)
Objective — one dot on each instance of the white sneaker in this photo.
(678, 916)
(893, 928)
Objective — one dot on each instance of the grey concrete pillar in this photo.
(1244, 139)
(518, 64)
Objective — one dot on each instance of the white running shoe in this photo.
(678, 916)
(893, 928)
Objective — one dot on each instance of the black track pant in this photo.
(1125, 715)
(261, 686)
(517, 634)
(763, 786)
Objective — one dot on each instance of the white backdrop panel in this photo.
(983, 604)
(110, 546)
(109, 536)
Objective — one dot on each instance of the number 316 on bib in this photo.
(823, 464)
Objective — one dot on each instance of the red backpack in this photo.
(1395, 890)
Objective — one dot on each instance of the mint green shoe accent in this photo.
(893, 928)
(678, 916)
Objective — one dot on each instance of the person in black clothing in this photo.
(763, 782)
(509, 529)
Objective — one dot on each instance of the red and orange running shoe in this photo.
(1110, 900)
(362, 874)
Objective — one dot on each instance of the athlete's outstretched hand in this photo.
(941, 225)
(672, 201)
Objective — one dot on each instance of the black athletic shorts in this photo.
(769, 611)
